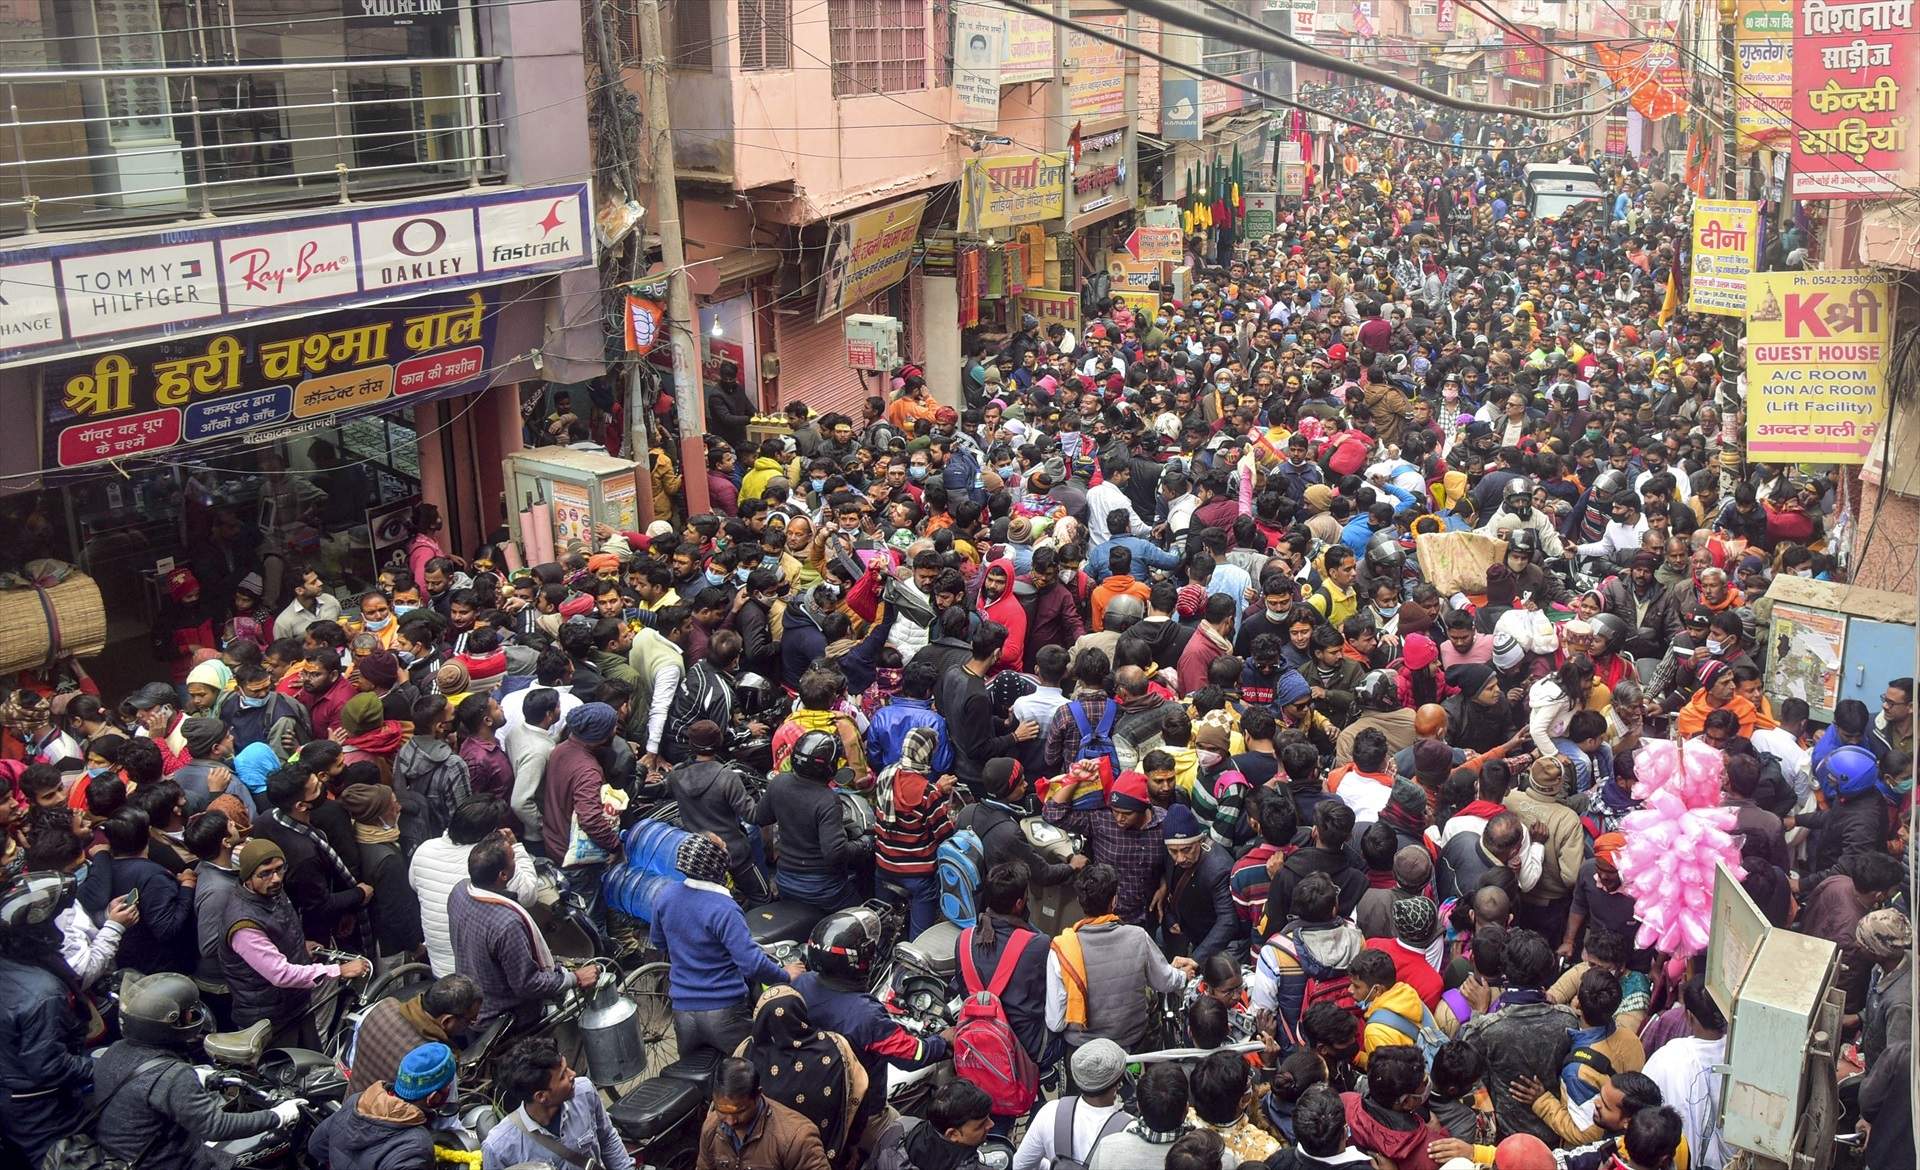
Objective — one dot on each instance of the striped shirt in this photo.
(913, 819)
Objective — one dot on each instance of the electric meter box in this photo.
(873, 341)
(1778, 1014)
(580, 489)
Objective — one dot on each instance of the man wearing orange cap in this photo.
(1598, 898)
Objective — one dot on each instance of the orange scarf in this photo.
(1692, 719)
(1073, 966)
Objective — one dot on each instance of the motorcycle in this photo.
(249, 1076)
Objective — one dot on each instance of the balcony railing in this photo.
(83, 148)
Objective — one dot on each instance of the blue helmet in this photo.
(1849, 770)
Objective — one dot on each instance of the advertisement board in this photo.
(1726, 250)
(1816, 365)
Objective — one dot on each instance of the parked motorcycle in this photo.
(250, 1076)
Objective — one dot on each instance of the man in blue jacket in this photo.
(912, 707)
(714, 961)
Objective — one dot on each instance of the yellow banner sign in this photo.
(1816, 365)
(1140, 302)
(869, 254)
(1726, 250)
(1762, 72)
(1050, 306)
(1005, 190)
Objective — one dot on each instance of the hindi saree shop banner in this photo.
(1816, 365)
(868, 255)
(270, 383)
(1006, 190)
(1855, 64)
(1726, 250)
(1763, 72)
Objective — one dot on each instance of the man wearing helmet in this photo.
(1530, 580)
(817, 857)
(1517, 512)
(44, 1072)
(842, 954)
(160, 1114)
(1378, 696)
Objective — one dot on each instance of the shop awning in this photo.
(706, 276)
(1457, 60)
(1151, 142)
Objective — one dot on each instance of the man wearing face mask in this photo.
(256, 713)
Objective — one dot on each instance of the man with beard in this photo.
(324, 690)
(265, 960)
(997, 603)
(442, 1014)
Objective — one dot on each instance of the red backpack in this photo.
(985, 1050)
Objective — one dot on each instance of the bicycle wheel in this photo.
(646, 986)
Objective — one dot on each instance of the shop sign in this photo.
(1526, 61)
(978, 33)
(266, 383)
(1003, 190)
(1179, 108)
(1762, 72)
(1726, 250)
(107, 293)
(1616, 140)
(1096, 71)
(1262, 207)
(1029, 48)
(868, 254)
(1157, 244)
(1445, 15)
(1132, 274)
(1816, 365)
(1140, 302)
(1217, 98)
(403, 13)
(1050, 306)
(1854, 74)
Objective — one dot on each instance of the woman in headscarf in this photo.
(207, 684)
(1419, 677)
(1478, 717)
(812, 1072)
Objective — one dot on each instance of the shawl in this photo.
(809, 1070)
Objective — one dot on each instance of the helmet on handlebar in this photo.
(35, 898)
(163, 1010)
(816, 756)
(845, 945)
(1384, 554)
(1517, 496)
(1378, 691)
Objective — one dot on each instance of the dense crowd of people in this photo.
(1348, 842)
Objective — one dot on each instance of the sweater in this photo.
(573, 781)
(491, 946)
(813, 832)
(712, 956)
(437, 867)
(163, 1110)
(391, 1028)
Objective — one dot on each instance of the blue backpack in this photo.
(961, 475)
(1096, 743)
(957, 868)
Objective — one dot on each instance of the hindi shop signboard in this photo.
(1005, 190)
(868, 255)
(107, 293)
(265, 384)
(1816, 365)
(1854, 97)
(1726, 250)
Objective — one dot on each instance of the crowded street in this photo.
(959, 585)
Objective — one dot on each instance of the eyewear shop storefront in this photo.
(210, 395)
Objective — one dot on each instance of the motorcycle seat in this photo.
(243, 1048)
(782, 922)
(696, 1067)
(655, 1107)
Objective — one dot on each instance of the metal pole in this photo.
(688, 394)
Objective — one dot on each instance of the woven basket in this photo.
(38, 625)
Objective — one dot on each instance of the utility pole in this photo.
(688, 394)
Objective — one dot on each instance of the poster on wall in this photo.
(1804, 660)
(868, 254)
(572, 515)
(281, 380)
(1726, 250)
(424, 14)
(1096, 71)
(1854, 73)
(1816, 365)
(978, 35)
(390, 531)
(1763, 72)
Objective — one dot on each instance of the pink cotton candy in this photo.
(1672, 844)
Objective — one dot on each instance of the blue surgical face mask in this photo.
(406, 657)
(917, 472)
(1387, 611)
(714, 578)
(100, 770)
(819, 485)
(740, 574)
(80, 875)
(253, 704)
(403, 610)
(376, 623)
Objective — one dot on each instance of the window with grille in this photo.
(878, 45)
(688, 28)
(766, 33)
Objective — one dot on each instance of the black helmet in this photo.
(1524, 541)
(1384, 553)
(1517, 496)
(1612, 628)
(35, 898)
(163, 1010)
(1378, 691)
(845, 945)
(1608, 484)
(816, 756)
